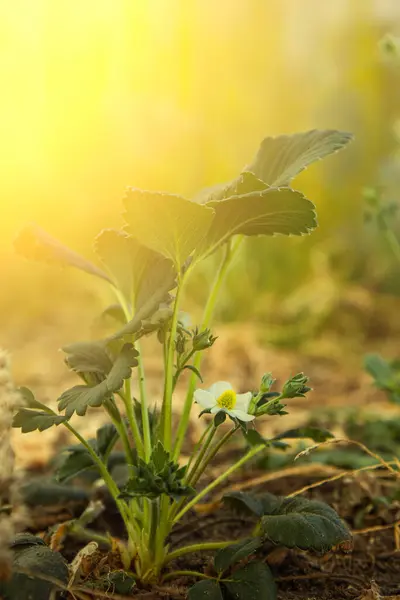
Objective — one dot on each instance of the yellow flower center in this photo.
(227, 400)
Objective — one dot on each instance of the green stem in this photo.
(144, 407)
(212, 453)
(393, 243)
(182, 366)
(196, 449)
(90, 535)
(175, 574)
(169, 375)
(219, 480)
(211, 430)
(196, 548)
(130, 413)
(110, 483)
(122, 431)
(230, 251)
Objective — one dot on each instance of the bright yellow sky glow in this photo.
(166, 94)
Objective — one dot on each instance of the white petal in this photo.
(216, 409)
(204, 398)
(242, 416)
(219, 387)
(243, 401)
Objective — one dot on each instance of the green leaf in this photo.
(254, 438)
(36, 244)
(219, 418)
(76, 462)
(253, 582)
(380, 369)
(114, 311)
(306, 524)
(166, 223)
(88, 357)
(194, 370)
(30, 400)
(267, 212)
(280, 159)
(106, 438)
(236, 552)
(208, 589)
(80, 397)
(136, 270)
(31, 420)
(244, 184)
(42, 564)
(316, 434)
(244, 503)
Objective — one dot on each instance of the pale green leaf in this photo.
(281, 158)
(166, 223)
(269, 212)
(80, 397)
(31, 420)
(34, 415)
(36, 244)
(136, 270)
(88, 357)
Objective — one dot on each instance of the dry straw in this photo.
(12, 513)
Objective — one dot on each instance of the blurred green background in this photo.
(177, 95)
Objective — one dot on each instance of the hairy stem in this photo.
(169, 375)
(175, 574)
(213, 451)
(144, 406)
(219, 480)
(130, 413)
(230, 251)
(110, 483)
(211, 430)
(196, 548)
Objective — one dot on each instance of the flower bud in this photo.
(203, 340)
(295, 387)
(267, 382)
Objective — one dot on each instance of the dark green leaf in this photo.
(207, 589)
(233, 554)
(74, 464)
(316, 434)
(219, 418)
(31, 420)
(194, 370)
(306, 524)
(166, 223)
(29, 562)
(36, 244)
(281, 158)
(44, 492)
(80, 397)
(254, 438)
(244, 503)
(254, 582)
(268, 212)
(106, 438)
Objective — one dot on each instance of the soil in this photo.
(372, 564)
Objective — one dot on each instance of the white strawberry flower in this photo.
(222, 397)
